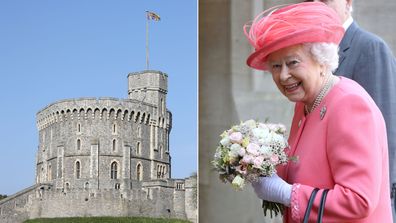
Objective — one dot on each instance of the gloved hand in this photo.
(273, 189)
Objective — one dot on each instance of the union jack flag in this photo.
(153, 16)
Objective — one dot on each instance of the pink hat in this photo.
(277, 28)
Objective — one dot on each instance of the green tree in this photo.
(2, 196)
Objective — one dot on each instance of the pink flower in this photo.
(247, 159)
(241, 169)
(253, 149)
(236, 137)
(258, 161)
(274, 159)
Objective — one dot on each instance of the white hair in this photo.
(324, 53)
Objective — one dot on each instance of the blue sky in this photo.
(52, 50)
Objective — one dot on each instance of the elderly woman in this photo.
(337, 132)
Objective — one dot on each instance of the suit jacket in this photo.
(342, 146)
(367, 59)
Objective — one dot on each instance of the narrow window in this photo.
(78, 144)
(42, 174)
(138, 148)
(163, 172)
(179, 186)
(78, 170)
(43, 137)
(114, 128)
(162, 106)
(113, 172)
(117, 186)
(49, 172)
(79, 128)
(139, 131)
(114, 145)
(139, 172)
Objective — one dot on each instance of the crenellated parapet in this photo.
(127, 110)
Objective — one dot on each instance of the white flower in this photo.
(241, 152)
(217, 155)
(225, 141)
(238, 182)
(234, 150)
(278, 139)
(260, 133)
(265, 150)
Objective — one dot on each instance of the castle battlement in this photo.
(106, 157)
(102, 109)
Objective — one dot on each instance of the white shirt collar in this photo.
(347, 23)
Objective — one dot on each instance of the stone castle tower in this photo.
(106, 157)
(107, 143)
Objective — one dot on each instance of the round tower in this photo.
(106, 143)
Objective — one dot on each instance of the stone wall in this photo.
(158, 198)
(14, 208)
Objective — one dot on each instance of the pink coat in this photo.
(345, 151)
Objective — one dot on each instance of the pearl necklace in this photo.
(330, 79)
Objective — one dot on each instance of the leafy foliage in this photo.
(2, 196)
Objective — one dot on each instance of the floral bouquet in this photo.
(251, 150)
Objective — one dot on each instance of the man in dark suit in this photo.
(366, 58)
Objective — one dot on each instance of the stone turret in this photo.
(150, 87)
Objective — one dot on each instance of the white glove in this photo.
(273, 189)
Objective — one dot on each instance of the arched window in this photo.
(113, 172)
(114, 145)
(67, 186)
(78, 144)
(117, 186)
(78, 170)
(163, 172)
(139, 172)
(86, 186)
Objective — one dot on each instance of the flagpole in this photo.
(147, 43)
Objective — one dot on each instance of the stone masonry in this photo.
(106, 157)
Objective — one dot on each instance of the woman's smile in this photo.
(290, 88)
